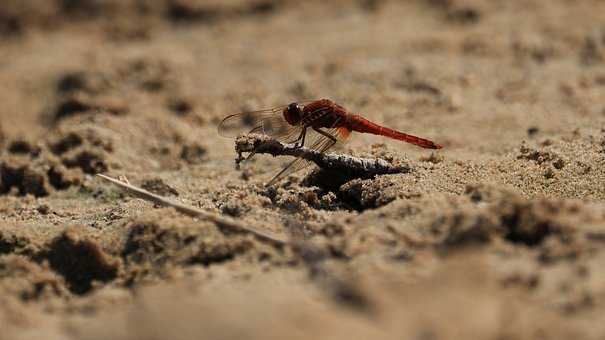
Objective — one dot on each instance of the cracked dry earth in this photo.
(500, 235)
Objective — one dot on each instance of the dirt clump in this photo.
(18, 176)
(155, 247)
(80, 261)
(28, 280)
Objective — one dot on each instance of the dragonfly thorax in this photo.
(293, 114)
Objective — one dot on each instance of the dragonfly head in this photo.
(293, 113)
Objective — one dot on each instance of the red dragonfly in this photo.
(325, 120)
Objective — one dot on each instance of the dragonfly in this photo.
(321, 123)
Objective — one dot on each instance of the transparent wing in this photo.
(269, 122)
(320, 143)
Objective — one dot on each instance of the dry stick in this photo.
(345, 164)
(220, 221)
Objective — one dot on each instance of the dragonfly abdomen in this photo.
(360, 124)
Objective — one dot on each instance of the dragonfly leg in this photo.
(326, 134)
(301, 138)
(333, 139)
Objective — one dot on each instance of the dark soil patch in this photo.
(80, 260)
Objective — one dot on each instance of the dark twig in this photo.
(220, 221)
(345, 164)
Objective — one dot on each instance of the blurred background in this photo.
(498, 235)
(432, 67)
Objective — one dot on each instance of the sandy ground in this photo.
(499, 235)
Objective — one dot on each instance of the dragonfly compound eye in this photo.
(293, 113)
